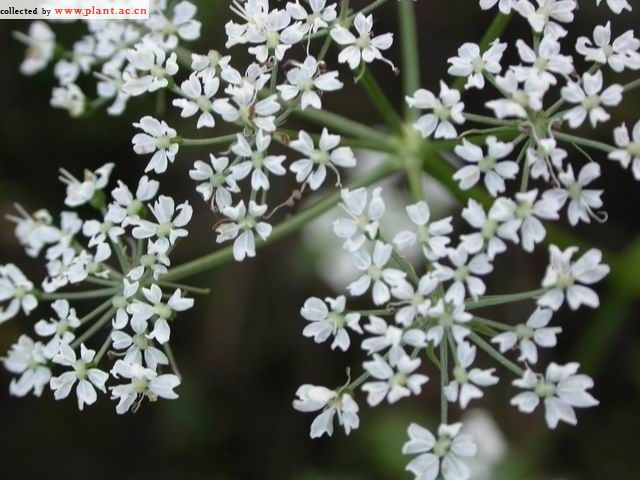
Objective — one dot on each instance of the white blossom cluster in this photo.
(519, 151)
(124, 250)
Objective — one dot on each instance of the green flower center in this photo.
(545, 390)
(442, 447)
(525, 332)
(487, 164)
(591, 102)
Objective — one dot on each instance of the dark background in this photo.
(240, 349)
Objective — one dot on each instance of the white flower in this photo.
(155, 308)
(519, 99)
(545, 16)
(505, 6)
(441, 456)
(545, 157)
(82, 192)
(394, 338)
(257, 161)
(16, 288)
(567, 279)
(471, 64)
(561, 389)
(582, 201)
(217, 180)
(99, 232)
(27, 359)
(138, 344)
(446, 108)
(621, 54)
(534, 333)
(320, 17)
(492, 232)
(464, 273)
(144, 382)
(304, 79)
(375, 273)
(629, 151)
(275, 37)
(364, 48)
(182, 25)
(433, 237)
(448, 317)
(70, 225)
(525, 213)
(153, 260)
(199, 93)
(244, 107)
(328, 154)
(152, 62)
(590, 97)
(617, 6)
(325, 323)
(209, 65)
(241, 227)
(415, 302)
(157, 139)
(41, 42)
(312, 398)
(60, 329)
(492, 165)
(69, 98)
(170, 222)
(82, 372)
(34, 231)
(127, 209)
(465, 383)
(390, 383)
(122, 301)
(545, 63)
(364, 220)
(80, 59)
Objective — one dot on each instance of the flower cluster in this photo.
(426, 283)
(124, 250)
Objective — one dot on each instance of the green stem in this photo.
(444, 378)
(186, 288)
(495, 354)
(94, 328)
(97, 311)
(490, 120)
(86, 295)
(378, 313)
(381, 102)
(632, 86)
(410, 54)
(565, 137)
(200, 142)
(494, 324)
(341, 124)
(286, 228)
(172, 360)
(492, 300)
